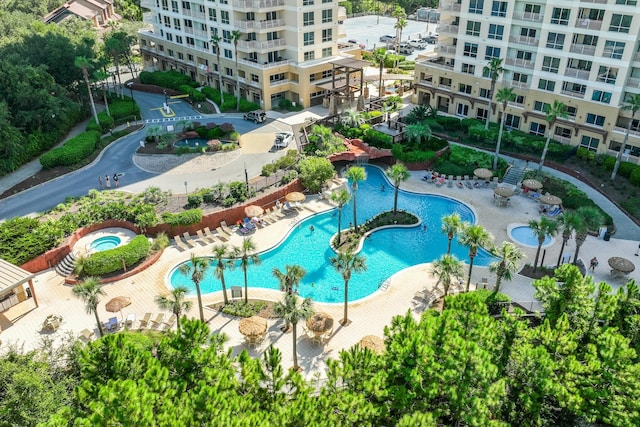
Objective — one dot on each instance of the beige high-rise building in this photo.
(284, 50)
(585, 54)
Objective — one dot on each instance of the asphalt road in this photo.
(118, 158)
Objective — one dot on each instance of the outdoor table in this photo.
(620, 267)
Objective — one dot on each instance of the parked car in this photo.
(405, 50)
(387, 38)
(361, 45)
(282, 139)
(258, 116)
(417, 44)
(430, 39)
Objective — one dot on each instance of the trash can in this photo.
(607, 236)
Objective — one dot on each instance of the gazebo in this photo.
(12, 277)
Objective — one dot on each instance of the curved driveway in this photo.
(118, 158)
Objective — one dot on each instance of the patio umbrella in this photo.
(117, 304)
(320, 322)
(253, 210)
(621, 264)
(532, 184)
(295, 196)
(373, 343)
(549, 199)
(483, 173)
(503, 191)
(253, 326)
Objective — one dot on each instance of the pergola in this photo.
(347, 78)
(12, 276)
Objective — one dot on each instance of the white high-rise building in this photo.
(584, 53)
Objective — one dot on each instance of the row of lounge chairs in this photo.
(204, 237)
(148, 322)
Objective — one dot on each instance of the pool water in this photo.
(523, 235)
(386, 251)
(104, 243)
(191, 142)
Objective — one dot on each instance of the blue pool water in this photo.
(524, 235)
(191, 142)
(387, 251)
(104, 243)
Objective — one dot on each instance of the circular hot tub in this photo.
(523, 235)
(104, 243)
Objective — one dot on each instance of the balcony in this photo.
(148, 4)
(342, 14)
(453, 7)
(576, 73)
(633, 82)
(194, 14)
(623, 131)
(150, 18)
(428, 83)
(579, 95)
(448, 29)
(594, 1)
(258, 45)
(584, 49)
(265, 65)
(255, 5)
(521, 63)
(443, 48)
(260, 25)
(588, 24)
(444, 86)
(528, 16)
(517, 84)
(528, 41)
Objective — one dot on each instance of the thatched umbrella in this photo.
(503, 191)
(373, 343)
(295, 196)
(253, 210)
(532, 184)
(548, 199)
(483, 173)
(253, 326)
(621, 264)
(117, 304)
(320, 322)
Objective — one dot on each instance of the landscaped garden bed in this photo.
(352, 240)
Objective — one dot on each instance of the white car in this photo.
(282, 139)
(417, 44)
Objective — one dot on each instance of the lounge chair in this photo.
(180, 243)
(212, 237)
(86, 335)
(204, 239)
(112, 324)
(168, 324)
(555, 212)
(187, 238)
(144, 322)
(278, 214)
(131, 321)
(248, 224)
(226, 228)
(155, 323)
(222, 235)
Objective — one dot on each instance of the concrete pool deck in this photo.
(369, 316)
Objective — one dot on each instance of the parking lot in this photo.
(367, 30)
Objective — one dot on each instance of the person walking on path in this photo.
(116, 180)
(106, 181)
(100, 182)
(593, 264)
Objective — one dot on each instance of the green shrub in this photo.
(269, 169)
(626, 168)
(465, 124)
(449, 123)
(242, 309)
(285, 104)
(160, 242)
(72, 152)
(634, 178)
(377, 139)
(169, 79)
(194, 201)
(494, 300)
(191, 216)
(105, 262)
(289, 176)
(609, 163)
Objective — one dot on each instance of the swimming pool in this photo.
(386, 251)
(523, 235)
(104, 243)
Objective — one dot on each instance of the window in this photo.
(541, 106)
(607, 74)
(519, 77)
(499, 8)
(326, 74)
(473, 28)
(226, 36)
(252, 37)
(307, 2)
(174, 7)
(308, 56)
(555, 40)
(444, 81)
(186, 5)
(548, 85)
(562, 132)
(532, 8)
(273, 35)
(550, 64)
(251, 16)
(576, 88)
(492, 52)
(228, 53)
(590, 143)
(512, 121)
(327, 16)
(627, 2)
(326, 52)
(496, 31)
(312, 78)
(481, 114)
(476, 6)
(523, 54)
(470, 49)
(485, 93)
(229, 72)
(176, 23)
(179, 39)
(594, 119)
(462, 109)
(579, 64)
(170, 51)
(224, 16)
(613, 49)
(191, 41)
(620, 23)
(571, 112)
(560, 16)
(465, 88)
(165, 5)
(537, 129)
(327, 35)
(271, 16)
(307, 19)
(309, 38)
(180, 56)
(585, 39)
(190, 57)
(468, 68)
(601, 96)
(519, 100)
(528, 32)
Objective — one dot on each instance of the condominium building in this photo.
(584, 53)
(284, 50)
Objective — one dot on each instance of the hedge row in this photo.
(192, 216)
(105, 262)
(72, 152)
(169, 79)
(122, 110)
(629, 170)
(194, 94)
(230, 101)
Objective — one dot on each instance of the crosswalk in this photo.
(173, 119)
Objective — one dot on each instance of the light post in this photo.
(185, 189)
(130, 86)
(636, 254)
(166, 98)
(246, 177)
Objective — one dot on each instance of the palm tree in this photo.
(379, 58)
(474, 236)
(235, 37)
(196, 268)
(220, 255)
(398, 173)
(246, 256)
(175, 302)
(347, 263)
(568, 222)
(554, 112)
(510, 257)
(632, 103)
(446, 268)
(418, 132)
(355, 174)
(90, 291)
(492, 70)
(352, 118)
(451, 225)
(541, 229)
(341, 198)
(102, 77)
(503, 96)
(215, 40)
(290, 280)
(591, 220)
(401, 23)
(292, 310)
(84, 64)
